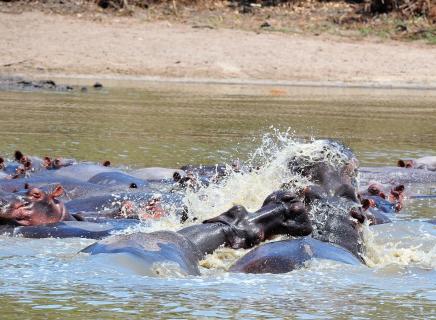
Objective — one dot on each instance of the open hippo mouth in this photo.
(281, 213)
(35, 208)
(18, 210)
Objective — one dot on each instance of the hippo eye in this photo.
(133, 185)
(27, 203)
(35, 195)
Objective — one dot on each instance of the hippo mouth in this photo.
(18, 212)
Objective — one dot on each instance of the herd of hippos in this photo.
(45, 197)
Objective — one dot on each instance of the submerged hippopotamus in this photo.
(337, 235)
(281, 213)
(396, 175)
(39, 214)
(25, 165)
(336, 217)
(426, 163)
(34, 208)
(378, 202)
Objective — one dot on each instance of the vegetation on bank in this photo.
(393, 19)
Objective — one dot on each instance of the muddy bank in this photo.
(16, 83)
(43, 45)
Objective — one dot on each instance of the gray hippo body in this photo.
(287, 255)
(69, 229)
(281, 213)
(396, 175)
(118, 180)
(424, 163)
(82, 171)
(114, 204)
(147, 250)
(156, 173)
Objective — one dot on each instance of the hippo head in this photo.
(283, 213)
(406, 163)
(36, 207)
(56, 163)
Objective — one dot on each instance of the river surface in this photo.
(146, 124)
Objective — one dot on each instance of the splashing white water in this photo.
(271, 160)
(403, 243)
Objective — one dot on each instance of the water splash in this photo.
(270, 164)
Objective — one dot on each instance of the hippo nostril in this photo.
(133, 185)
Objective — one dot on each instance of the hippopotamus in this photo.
(375, 195)
(282, 213)
(73, 188)
(287, 255)
(118, 179)
(70, 229)
(129, 205)
(83, 171)
(156, 173)
(36, 207)
(396, 175)
(426, 163)
(336, 217)
(336, 235)
(39, 214)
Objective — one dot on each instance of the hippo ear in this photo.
(2, 163)
(405, 163)
(400, 188)
(57, 162)
(365, 204)
(106, 163)
(47, 162)
(358, 215)
(18, 155)
(57, 191)
(27, 165)
(177, 176)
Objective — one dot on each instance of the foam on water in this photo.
(272, 160)
(401, 244)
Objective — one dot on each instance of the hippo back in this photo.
(287, 255)
(149, 251)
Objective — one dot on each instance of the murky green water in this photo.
(173, 124)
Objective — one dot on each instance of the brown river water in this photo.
(137, 124)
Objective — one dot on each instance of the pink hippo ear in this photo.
(58, 162)
(408, 163)
(47, 162)
(367, 203)
(400, 188)
(57, 192)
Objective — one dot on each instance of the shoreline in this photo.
(44, 46)
(82, 79)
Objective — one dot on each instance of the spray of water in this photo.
(270, 163)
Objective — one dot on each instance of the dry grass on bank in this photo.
(385, 19)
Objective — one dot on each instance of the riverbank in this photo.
(43, 45)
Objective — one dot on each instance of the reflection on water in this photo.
(172, 125)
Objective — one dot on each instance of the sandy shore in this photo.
(43, 45)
